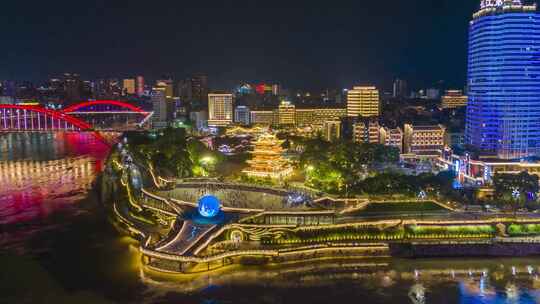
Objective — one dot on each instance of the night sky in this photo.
(301, 44)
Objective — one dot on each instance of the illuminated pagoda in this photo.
(268, 160)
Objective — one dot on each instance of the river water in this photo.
(57, 246)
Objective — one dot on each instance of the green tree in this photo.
(345, 162)
(513, 189)
(204, 160)
(167, 151)
(315, 152)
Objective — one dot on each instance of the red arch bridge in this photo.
(108, 115)
(99, 115)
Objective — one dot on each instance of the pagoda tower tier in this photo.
(268, 160)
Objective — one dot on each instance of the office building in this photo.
(177, 109)
(308, 116)
(305, 117)
(400, 88)
(433, 94)
(454, 139)
(244, 89)
(263, 117)
(184, 91)
(276, 89)
(128, 86)
(194, 91)
(9, 87)
(140, 86)
(366, 131)
(220, 110)
(265, 88)
(332, 130)
(423, 140)
(482, 171)
(330, 113)
(199, 119)
(199, 87)
(167, 84)
(286, 114)
(7, 100)
(391, 137)
(72, 87)
(453, 99)
(242, 115)
(503, 110)
(107, 88)
(363, 101)
(159, 106)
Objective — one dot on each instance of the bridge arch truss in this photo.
(103, 106)
(109, 114)
(32, 118)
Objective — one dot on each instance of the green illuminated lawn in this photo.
(402, 207)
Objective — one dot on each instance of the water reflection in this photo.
(396, 281)
(41, 173)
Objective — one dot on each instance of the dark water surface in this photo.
(57, 246)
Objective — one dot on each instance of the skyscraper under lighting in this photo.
(503, 112)
(159, 106)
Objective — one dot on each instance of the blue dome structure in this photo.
(209, 206)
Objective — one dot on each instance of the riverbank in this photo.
(245, 236)
(463, 249)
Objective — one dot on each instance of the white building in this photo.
(220, 110)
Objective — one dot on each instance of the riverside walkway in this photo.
(250, 233)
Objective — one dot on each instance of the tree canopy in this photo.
(171, 154)
(515, 189)
(336, 167)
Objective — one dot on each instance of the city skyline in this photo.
(303, 46)
(201, 152)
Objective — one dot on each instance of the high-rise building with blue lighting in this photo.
(503, 112)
